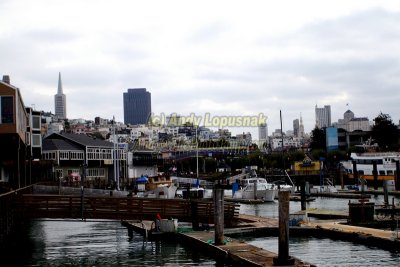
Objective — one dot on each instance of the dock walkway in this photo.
(235, 251)
(362, 232)
(240, 253)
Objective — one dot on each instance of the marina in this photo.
(103, 242)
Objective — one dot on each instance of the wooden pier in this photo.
(232, 250)
(240, 253)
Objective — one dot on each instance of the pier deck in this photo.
(361, 231)
(235, 251)
(241, 253)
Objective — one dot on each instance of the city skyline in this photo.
(261, 57)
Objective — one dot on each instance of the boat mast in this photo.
(197, 157)
(283, 158)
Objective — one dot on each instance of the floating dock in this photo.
(234, 251)
(240, 253)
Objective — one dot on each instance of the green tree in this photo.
(318, 139)
(385, 133)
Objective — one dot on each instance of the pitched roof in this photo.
(58, 144)
(81, 139)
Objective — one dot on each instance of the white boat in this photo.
(385, 163)
(165, 191)
(256, 188)
(194, 192)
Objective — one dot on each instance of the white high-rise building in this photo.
(60, 102)
(323, 116)
(262, 132)
(301, 127)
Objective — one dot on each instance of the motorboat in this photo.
(255, 188)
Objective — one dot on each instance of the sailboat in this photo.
(194, 190)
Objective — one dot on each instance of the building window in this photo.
(36, 123)
(36, 140)
(64, 155)
(96, 172)
(6, 109)
(76, 155)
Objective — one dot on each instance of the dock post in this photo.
(283, 257)
(195, 217)
(219, 215)
(397, 176)
(385, 193)
(341, 177)
(375, 174)
(355, 172)
(303, 194)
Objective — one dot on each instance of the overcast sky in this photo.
(221, 57)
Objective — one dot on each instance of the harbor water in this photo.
(106, 243)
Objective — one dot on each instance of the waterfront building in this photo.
(13, 135)
(323, 116)
(137, 106)
(60, 101)
(70, 152)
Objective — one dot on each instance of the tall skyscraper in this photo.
(323, 116)
(262, 132)
(60, 101)
(301, 128)
(137, 106)
(296, 127)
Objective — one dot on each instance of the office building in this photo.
(323, 116)
(137, 106)
(262, 132)
(296, 127)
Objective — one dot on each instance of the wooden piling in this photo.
(283, 246)
(397, 176)
(303, 194)
(355, 172)
(375, 174)
(195, 219)
(219, 215)
(385, 193)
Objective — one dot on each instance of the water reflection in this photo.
(328, 252)
(106, 243)
(100, 243)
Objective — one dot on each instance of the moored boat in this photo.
(255, 188)
(385, 165)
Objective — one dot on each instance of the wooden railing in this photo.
(8, 213)
(121, 208)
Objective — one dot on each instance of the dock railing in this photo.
(122, 208)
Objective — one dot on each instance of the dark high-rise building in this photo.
(137, 106)
(296, 127)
